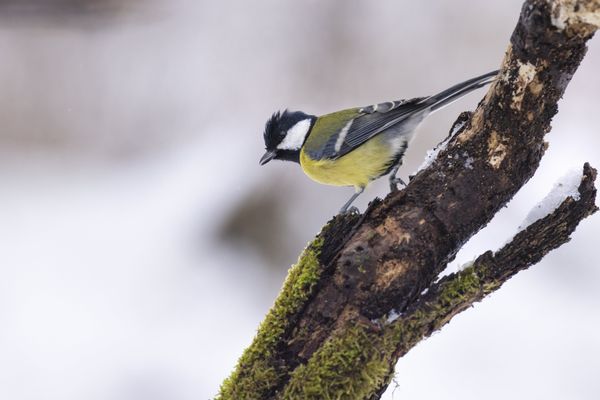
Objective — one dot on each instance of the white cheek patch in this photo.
(295, 136)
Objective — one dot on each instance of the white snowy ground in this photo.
(124, 149)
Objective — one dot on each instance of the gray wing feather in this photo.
(376, 119)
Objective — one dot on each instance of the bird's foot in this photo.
(394, 182)
(350, 210)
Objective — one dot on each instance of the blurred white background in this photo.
(141, 244)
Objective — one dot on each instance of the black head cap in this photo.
(277, 128)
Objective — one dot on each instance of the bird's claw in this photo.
(350, 210)
(394, 182)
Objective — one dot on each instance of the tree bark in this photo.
(354, 302)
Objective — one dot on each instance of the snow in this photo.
(433, 153)
(392, 316)
(466, 265)
(567, 186)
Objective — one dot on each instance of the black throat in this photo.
(289, 155)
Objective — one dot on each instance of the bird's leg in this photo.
(395, 180)
(345, 208)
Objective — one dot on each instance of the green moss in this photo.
(353, 363)
(351, 366)
(257, 372)
(357, 362)
(462, 288)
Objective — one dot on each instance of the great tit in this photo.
(355, 146)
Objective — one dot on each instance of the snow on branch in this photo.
(566, 186)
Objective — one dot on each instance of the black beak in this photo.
(268, 156)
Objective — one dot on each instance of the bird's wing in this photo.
(355, 126)
(337, 134)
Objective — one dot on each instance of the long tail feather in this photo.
(455, 92)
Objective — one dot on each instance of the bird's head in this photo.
(285, 133)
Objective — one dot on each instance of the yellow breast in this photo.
(357, 168)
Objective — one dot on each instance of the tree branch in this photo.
(324, 337)
(458, 291)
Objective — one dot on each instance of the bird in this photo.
(355, 146)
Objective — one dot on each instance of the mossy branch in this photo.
(363, 353)
(352, 305)
(260, 368)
